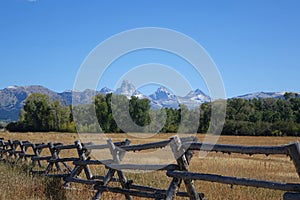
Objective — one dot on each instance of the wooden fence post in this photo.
(117, 157)
(2, 145)
(22, 152)
(294, 152)
(83, 155)
(37, 153)
(54, 155)
(117, 160)
(183, 159)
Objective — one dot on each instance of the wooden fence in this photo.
(49, 158)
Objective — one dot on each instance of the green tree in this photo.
(37, 112)
(139, 111)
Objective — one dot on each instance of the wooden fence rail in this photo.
(50, 162)
(292, 150)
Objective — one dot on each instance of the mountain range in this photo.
(262, 95)
(12, 98)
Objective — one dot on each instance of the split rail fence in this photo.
(77, 169)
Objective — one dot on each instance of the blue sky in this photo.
(255, 44)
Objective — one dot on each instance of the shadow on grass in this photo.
(54, 189)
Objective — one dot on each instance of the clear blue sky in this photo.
(255, 44)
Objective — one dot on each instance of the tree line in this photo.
(271, 117)
(40, 113)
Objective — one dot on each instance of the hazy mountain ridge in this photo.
(12, 98)
(263, 95)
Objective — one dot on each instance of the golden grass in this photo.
(275, 168)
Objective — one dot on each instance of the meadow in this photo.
(274, 168)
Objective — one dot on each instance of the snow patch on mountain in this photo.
(12, 87)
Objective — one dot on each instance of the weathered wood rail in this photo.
(70, 168)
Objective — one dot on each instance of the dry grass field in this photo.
(17, 183)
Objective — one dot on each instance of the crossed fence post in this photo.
(37, 158)
(83, 154)
(22, 152)
(3, 147)
(117, 157)
(183, 157)
(37, 150)
(54, 155)
(12, 150)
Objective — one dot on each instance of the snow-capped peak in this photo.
(163, 93)
(126, 89)
(198, 96)
(105, 90)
